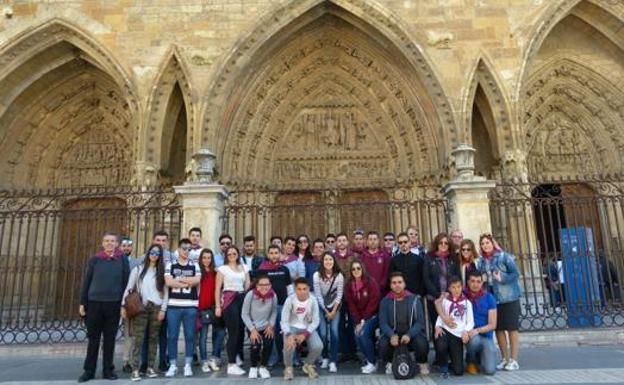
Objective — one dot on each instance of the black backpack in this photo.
(403, 365)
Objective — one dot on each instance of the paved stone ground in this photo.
(579, 365)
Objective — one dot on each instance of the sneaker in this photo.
(325, 363)
(472, 369)
(214, 364)
(288, 373)
(264, 373)
(172, 371)
(206, 367)
(86, 376)
(126, 368)
(424, 369)
(501, 365)
(389, 368)
(188, 372)
(444, 372)
(239, 360)
(235, 370)
(332, 367)
(310, 370)
(135, 376)
(512, 365)
(151, 373)
(369, 368)
(253, 372)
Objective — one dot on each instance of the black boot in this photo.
(86, 376)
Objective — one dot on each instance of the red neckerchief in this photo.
(264, 297)
(269, 266)
(398, 297)
(105, 257)
(474, 297)
(491, 254)
(290, 259)
(197, 247)
(347, 254)
(442, 254)
(455, 304)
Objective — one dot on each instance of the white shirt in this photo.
(301, 309)
(233, 280)
(147, 287)
(464, 322)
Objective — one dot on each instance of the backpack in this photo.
(403, 365)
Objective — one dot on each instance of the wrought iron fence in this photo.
(567, 236)
(317, 213)
(46, 238)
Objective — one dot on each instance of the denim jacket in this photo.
(508, 289)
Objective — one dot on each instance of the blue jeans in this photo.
(328, 331)
(366, 339)
(185, 316)
(481, 350)
(218, 336)
(278, 341)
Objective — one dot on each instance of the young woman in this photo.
(502, 281)
(148, 280)
(468, 254)
(206, 310)
(232, 282)
(440, 265)
(328, 288)
(362, 295)
(259, 314)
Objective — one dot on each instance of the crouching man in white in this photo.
(300, 319)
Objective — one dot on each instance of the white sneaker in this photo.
(206, 367)
(332, 367)
(389, 368)
(235, 370)
(239, 361)
(173, 370)
(501, 365)
(253, 372)
(324, 363)
(214, 364)
(264, 373)
(369, 368)
(188, 372)
(424, 369)
(512, 365)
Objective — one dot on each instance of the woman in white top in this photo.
(328, 288)
(232, 282)
(148, 280)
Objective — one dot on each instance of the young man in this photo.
(102, 289)
(481, 348)
(162, 238)
(359, 243)
(344, 257)
(277, 241)
(126, 247)
(402, 322)
(415, 246)
(195, 235)
(249, 258)
(300, 319)
(389, 243)
(225, 241)
(182, 278)
(376, 260)
(410, 265)
(330, 242)
(279, 275)
(291, 261)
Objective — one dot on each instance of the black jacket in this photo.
(432, 271)
(411, 265)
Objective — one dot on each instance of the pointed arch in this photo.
(164, 102)
(279, 24)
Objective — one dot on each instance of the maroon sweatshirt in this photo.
(363, 303)
(377, 265)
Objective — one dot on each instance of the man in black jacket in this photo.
(410, 265)
(103, 286)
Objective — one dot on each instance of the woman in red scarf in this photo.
(441, 263)
(362, 297)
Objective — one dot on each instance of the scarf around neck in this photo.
(269, 266)
(474, 297)
(398, 297)
(103, 256)
(442, 254)
(456, 304)
(264, 297)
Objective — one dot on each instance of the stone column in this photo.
(203, 200)
(467, 194)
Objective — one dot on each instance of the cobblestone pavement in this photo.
(580, 365)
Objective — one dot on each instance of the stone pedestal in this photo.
(469, 209)
(203, 207)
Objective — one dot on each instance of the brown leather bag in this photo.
(134, 304)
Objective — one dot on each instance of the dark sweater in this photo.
(414, 319)
(105, 280)
(411, 265)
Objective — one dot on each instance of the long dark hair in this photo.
(365, 276)
(321, 269)
(308, 253)
(202, 267)
(160, 267)
(225, 257)
(453, 255)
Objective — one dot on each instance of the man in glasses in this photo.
(402, 322)
(389, 243)
(330, 242)
(415, 246)
(408, 264)
(225, 241)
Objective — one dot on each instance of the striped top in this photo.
(183, 297)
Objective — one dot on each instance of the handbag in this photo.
(134, 304)
(403, 365)
(208, 316)
(329, 298)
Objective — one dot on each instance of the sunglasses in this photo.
(332, 241)
(303, 241)
(388, 239)
(225, 243)
(126, 243)
(356, 268)
(465, 249)
(154, 253)
(403, 242)
(443, 243)
(186, 248)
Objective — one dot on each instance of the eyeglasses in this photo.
(388, 239)
(403, 242)
(356, 268)
(225, 243)
(443, 243)
(465, 249)
(186, 248)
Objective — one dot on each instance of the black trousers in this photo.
(418, 345)
(102, 320)
(233, 322)
(260, 352)
(449, 345)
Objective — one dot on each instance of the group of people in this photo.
(303, 303)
